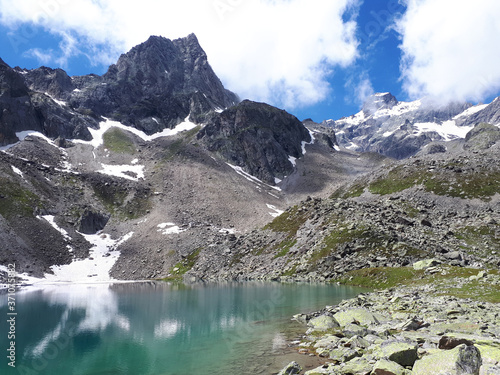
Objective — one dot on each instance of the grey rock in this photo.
(323, 323)
(459, 361)
(293, 368)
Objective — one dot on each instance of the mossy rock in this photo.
(386, 367)
(461, 360)
(403, 353)
(323, 323)
(361, 316)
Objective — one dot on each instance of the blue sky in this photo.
(316, 59)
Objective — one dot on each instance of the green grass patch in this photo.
(352, 191)
(284, 247)
(397, 180)
(16, 200)
(382, 277)
(185, 265)
(367, 239)
(288, 222)
(118, 141)
(448, 180)
(451, 281)
(291, 272)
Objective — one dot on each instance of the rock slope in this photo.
(443, 206)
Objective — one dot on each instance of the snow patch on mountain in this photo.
(399, 109)
(276, 212)
(471, 111)
(17, 171)
(129, 172)
(104, 126)
(169, 228)
(51, 220)
(103, 255)
(448, 130)
(251, 178)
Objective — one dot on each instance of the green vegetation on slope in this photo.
(118, 141)
(454, 179)
(14, 200)
(448, 280)
(184, 266)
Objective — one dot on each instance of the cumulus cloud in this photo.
(450, 49)
(279, 51)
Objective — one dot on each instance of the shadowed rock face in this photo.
(92, 222)
(16, 110)
(154, 86)
(257, 137)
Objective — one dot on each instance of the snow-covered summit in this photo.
(401, 129)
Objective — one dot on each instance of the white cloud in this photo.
(364, 89)
(450, 49)
(280, 51)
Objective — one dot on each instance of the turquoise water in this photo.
(157, 328)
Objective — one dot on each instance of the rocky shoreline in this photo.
(403, 331)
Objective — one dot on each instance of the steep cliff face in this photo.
(262, 139)
(156, 85)
(16, 110)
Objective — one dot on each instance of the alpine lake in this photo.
(160, 328)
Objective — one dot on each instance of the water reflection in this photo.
(159, 328)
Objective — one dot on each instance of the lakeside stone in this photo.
(358, 316)
(407, 324)
(323, 323)
(357, 366)
(293, 368)
(403, 353)
(459, 361)
(386, 367)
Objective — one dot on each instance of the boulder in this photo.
(341, 355)
(352, 330)
(386, 367)
(401, 352)
(323, 323)
(424, 264)
(448, 343)
(357, 316)
(357, 366)
(459, 361)
(490, 356)
(293, 368)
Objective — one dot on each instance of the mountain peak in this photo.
(378, 101)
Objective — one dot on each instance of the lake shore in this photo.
(403, 331)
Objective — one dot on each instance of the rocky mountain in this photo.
(144, 166)
(263, 138)
(402, 129)
(155, 86)
(155, 170)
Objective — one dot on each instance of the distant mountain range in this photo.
(402, 129)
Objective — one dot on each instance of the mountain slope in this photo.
(444, 206)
